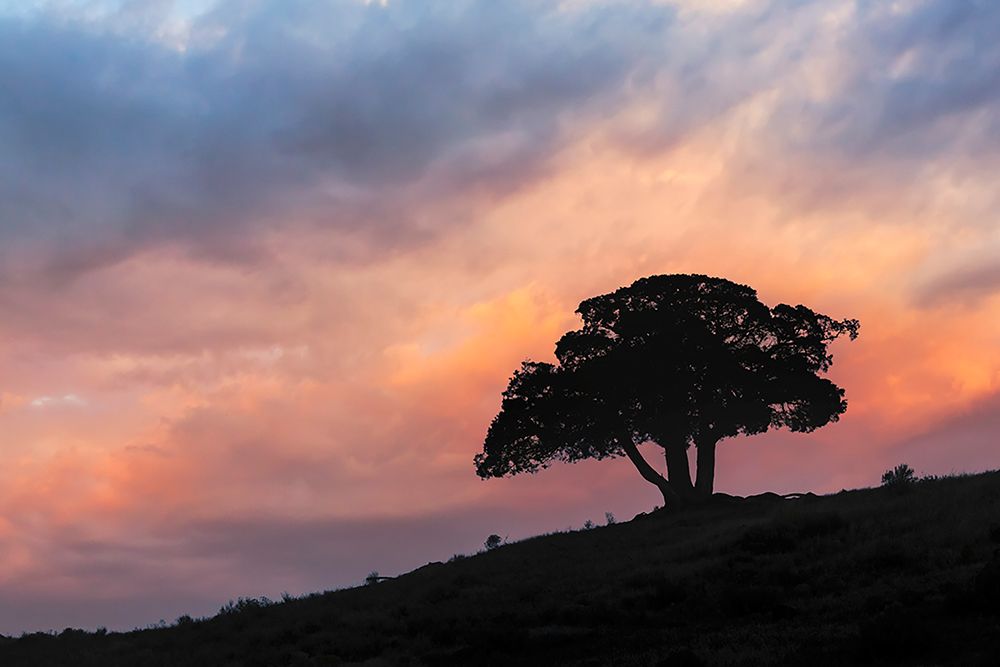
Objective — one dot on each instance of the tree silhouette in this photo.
(676, 360)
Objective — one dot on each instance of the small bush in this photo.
(588, 525)
(72, 632)
(492, 542)
(609, 518)
(901, 476)
(372, 578)
(244, 604)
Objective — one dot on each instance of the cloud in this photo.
(962, 442)
(966, 285)
(373, 122)
(68, 400)
(285, 113)
(352, 117)
(195, 567)
(859, 100)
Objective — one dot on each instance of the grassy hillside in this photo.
(872, 576)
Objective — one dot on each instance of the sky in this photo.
(266, 265)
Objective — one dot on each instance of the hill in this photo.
(874, 576)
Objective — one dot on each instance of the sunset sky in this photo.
(266, 265)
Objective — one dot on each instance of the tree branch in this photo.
(647, 471)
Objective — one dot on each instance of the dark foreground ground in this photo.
(874, 576)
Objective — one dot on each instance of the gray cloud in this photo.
(194, 567)
(350, 116)
(328, 113)
(964, 285)
(963, 442)
(900, 80)
(936, 64)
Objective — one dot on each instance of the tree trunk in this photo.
(678, 470)
(671, 501)
(705, 484)
(670, 498)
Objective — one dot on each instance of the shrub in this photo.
(492, 542)
(609, 518)
(244, 604)
(588, 524)
(899, 477)
(372, 578)
(72, 632)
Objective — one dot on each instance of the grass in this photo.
(906, 575)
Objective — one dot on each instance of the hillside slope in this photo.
(870, 576)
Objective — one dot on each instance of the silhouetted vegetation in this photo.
(899, 477)
(243, 604)
(867, 577)
(676, 360)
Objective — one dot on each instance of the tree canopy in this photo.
(676, 360)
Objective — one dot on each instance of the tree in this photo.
(675, 360)
(899, 477)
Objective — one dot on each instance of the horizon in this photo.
(266, 267)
